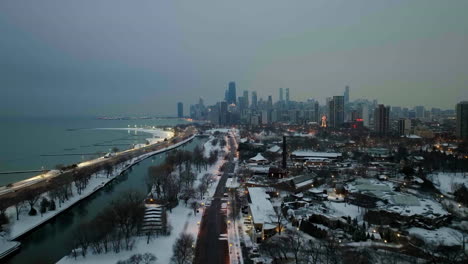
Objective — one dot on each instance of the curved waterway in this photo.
(52, 241)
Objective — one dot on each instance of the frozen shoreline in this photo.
(158, 134)
(98, 181)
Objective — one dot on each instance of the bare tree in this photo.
(294, 241)
(278, 219)
(146, 258)
(194, 206)
(32, 196)
(183, 249)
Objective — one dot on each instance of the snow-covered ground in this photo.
(181, 219)
(345, 209)
(448, 182)
(97, 181)
(443, 236)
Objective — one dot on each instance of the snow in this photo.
(345, 209)
(97, 181)
(274, 149)
(158, 135)
(305, 153)
(447, 182)
(444, 235)
(7, 247)
(181, 219)
(261, 208)
(427, 208)
(258, 158)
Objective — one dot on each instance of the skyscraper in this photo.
(346, 95)
(419, 110)
(246, 99)
(254, 99)
(316, 112)
(270, 102)
(180, 110)
(462, 120)
(231, 94)
(287, 95)
(404, 126)
(382, 119)
(336, 111)
(281, 95)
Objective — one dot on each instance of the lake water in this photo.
(42, 143)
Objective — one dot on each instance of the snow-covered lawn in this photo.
(447, 182)
(345, 209)
(443, 236)
(182, 219)
(427, 208)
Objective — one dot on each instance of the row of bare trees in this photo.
(114, 227)
(292, 245)
(168, 186)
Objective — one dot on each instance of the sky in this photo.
(113, 57)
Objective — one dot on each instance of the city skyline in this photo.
(92, 60)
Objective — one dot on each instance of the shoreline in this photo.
(158, 134)
(91, 190)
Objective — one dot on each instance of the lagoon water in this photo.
(42, 143)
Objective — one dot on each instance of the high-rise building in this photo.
(462, 120)
(316, 112)
(382, 119)
(223, 113)
(336, 111)
(346, 95)
(246, 99)
(419, 111)
(404, 126)
(281, 94)
(180, 110)
(287, 95)
(365, 115)
(254, 100)
(231, 93)
(270, 102)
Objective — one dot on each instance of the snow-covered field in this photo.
(181, 219)
(345, 209)
(447, 182)
(443, 236)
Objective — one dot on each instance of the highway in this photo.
(42, 179)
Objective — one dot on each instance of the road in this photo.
(43, 179)
(210, 248)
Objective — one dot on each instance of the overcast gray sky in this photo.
(97, 57)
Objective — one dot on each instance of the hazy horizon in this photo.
(90, 58)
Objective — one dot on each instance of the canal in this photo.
(52, 241)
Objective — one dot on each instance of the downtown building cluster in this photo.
(338, 112)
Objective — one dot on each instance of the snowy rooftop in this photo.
(258, 158)
(306, 153)
(261, 208)
(274, 149)
(427, 208)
